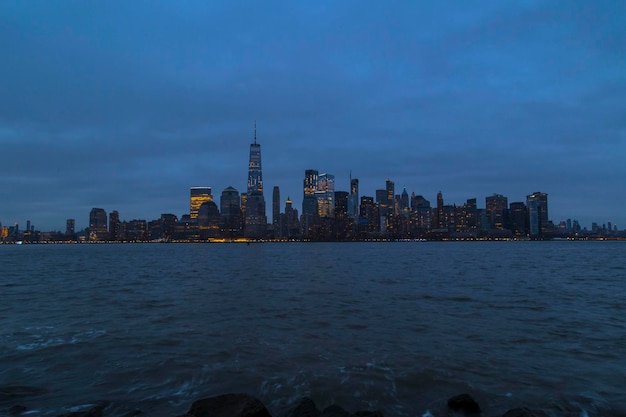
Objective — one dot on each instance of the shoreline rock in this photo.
(245, 405)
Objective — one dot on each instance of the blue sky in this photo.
(124, 105)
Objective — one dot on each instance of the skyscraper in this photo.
(276, 205)
(70, 227)
(537, 204)
(98, 224)
(309, 202)
(114, 226)
(255, 174)
(198, 196)
(255, 220)
(325, 195)
(230, 212)
(496, 207)
(353, 199)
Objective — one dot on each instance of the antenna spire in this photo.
(255, 132)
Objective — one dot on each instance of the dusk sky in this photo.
(125, 105)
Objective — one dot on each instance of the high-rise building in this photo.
(496, 207)
(439, 217)
(114, 226)
(70, 227)
(198, 196)
(325, 195)
(276, 206)
(292, 225)
(208, 220)
(353, 199)
(168, 225)
(230, 212)
(421, 214)
(255, 218)
(537, 213)
(255, 172)
(390, 188)
(309, 201)
(517, 219)
(98, 224)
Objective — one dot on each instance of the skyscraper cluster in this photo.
(329, 214)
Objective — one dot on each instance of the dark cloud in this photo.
(126, 105)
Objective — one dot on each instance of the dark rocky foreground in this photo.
(244, 405)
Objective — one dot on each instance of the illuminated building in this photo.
(325, 195)
(390, 188)
(230, 212)
(276, 211)
(537, 213)
(421, 214)
(168, 225)
(255, 173)
(198, 196)
(496, 207)
(291, 224)
(98, 224)
(255, 218)
(114, 226)
(208, 220)
(309, 202)
(353, 199)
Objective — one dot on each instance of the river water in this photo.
(396, 326)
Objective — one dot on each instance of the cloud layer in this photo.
(126, 105)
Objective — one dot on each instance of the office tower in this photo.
(309, 202)
(70, 227)
(292, 225)
(341, 203)
(381, 197)
(325, 195)
(198, 196)
(114, 226)
(404, 200)
(168, 225)
(517, 219)
(369, 215)
(438, 217)
(255, 218)
(276, 207)
(390, 188)
(135, 230)
(421, 214)
(466, 218)
(353, 199)
(537, 213)
(208, 220)
(230, 212)
(496, 207)
(255, 173)
(98, 224)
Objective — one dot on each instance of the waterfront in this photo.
(396, 326)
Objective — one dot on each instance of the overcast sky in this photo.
(125, 105)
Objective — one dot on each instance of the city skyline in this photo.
(123, 107)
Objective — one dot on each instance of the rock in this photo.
(335, 411)
(303, 408)
(520, 412)
(464, 403)
(229, 405)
